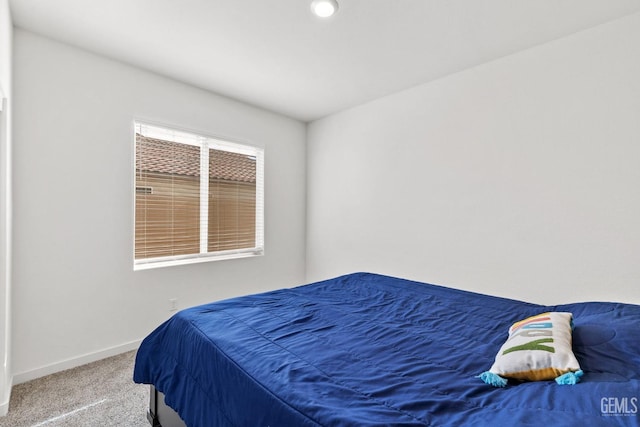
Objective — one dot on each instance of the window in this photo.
(196, 198)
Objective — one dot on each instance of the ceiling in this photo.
(275, 54)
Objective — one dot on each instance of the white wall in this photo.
(519, 177)
(6, 34)
(76, 296)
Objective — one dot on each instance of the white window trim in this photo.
(151, 263)
(204, 193)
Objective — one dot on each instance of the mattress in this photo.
(372, 350)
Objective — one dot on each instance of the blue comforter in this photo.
(371, 350)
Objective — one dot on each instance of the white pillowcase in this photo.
(538, 348)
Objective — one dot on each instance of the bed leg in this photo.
(152, 413)
(153, 420)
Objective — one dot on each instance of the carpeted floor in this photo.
(98, 394)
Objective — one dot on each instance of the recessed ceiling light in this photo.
(324, 8)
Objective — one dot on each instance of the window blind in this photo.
(196, 198)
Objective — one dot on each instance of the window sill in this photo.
(152, 263)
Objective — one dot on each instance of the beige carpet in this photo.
(98, 394)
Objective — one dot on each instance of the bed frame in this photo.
(159, 414)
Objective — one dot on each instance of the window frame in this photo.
(205, 142)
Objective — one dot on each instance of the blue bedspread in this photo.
(371, 350)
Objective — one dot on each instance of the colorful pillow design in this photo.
(538, 348)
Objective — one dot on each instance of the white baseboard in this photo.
(73, 362)
(6, 396)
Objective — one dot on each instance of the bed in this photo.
(372, 350)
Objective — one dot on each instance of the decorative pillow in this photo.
(538, 348)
